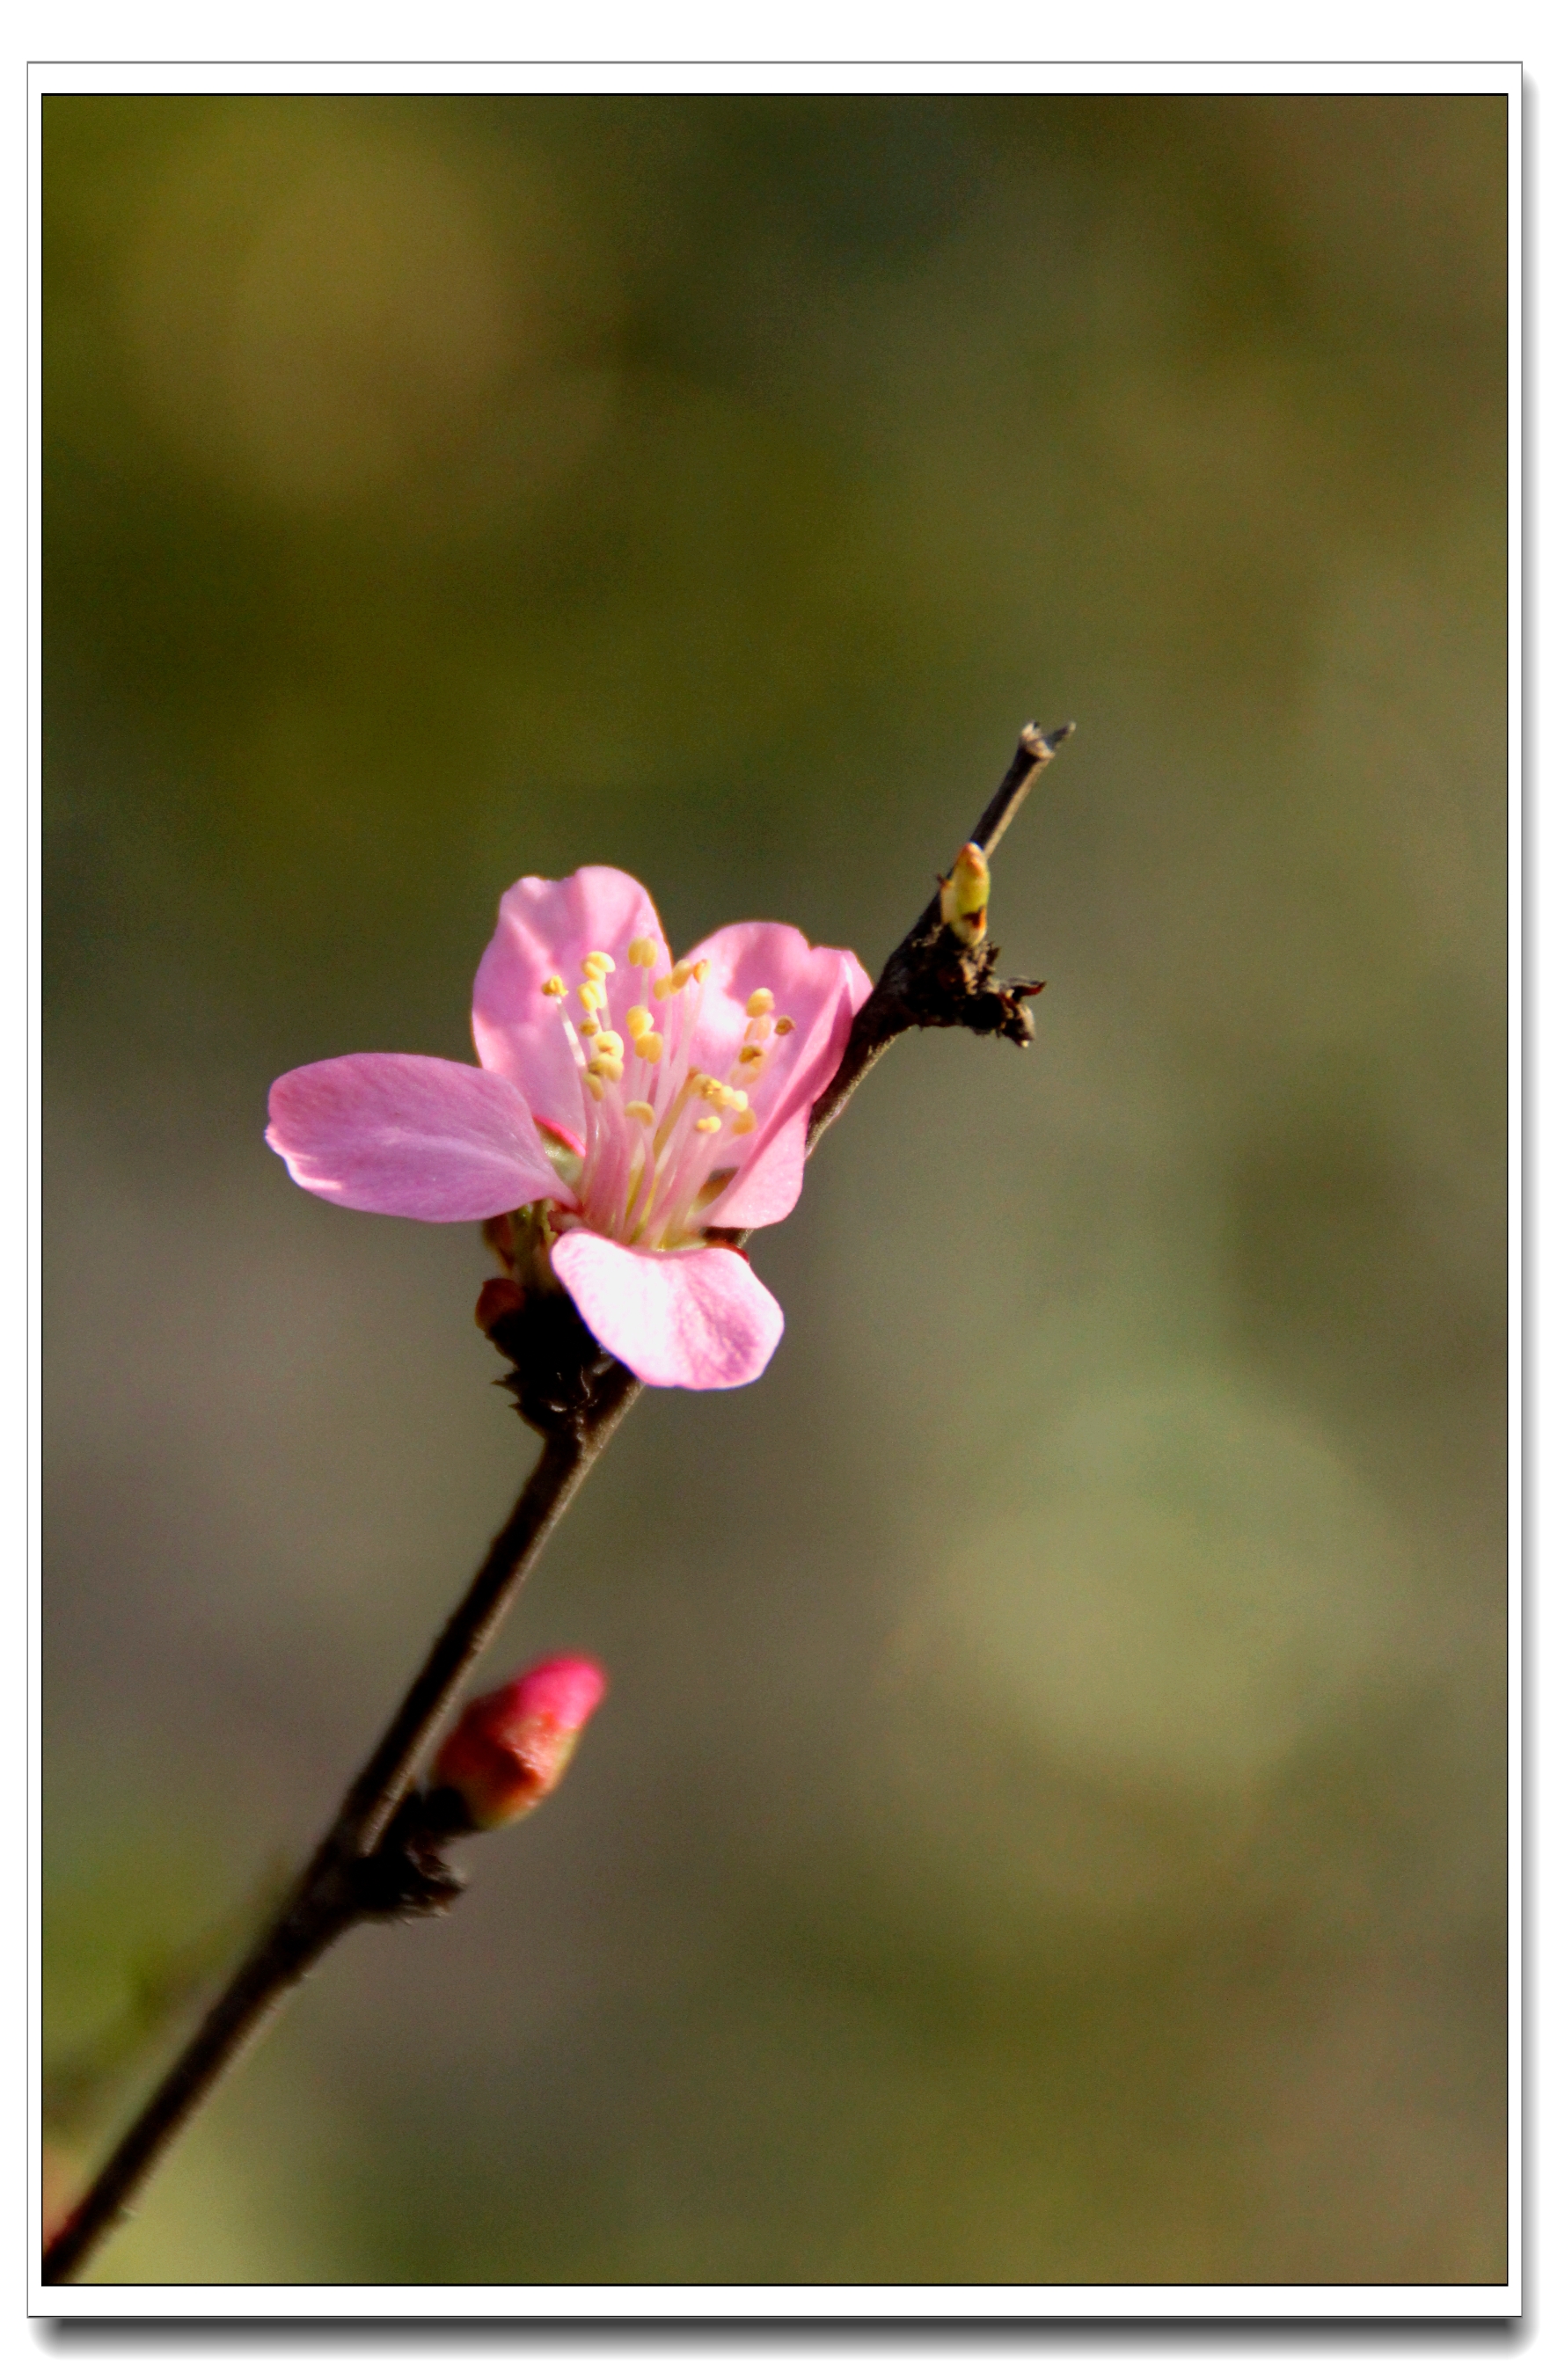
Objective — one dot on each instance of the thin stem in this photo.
(254, 1993)
(1035, 751)
(557, 1473)
(321, 1907)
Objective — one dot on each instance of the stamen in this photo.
(610, 1069)
(641, 1110)
(686, 1093)
(597, 962)
(751, 1058)
(648, 1047)
(680, 975)
(785, 1024)
(643, 952)
(588, 994)
(757, 1029)
(590, 1026)
(609, 1045)
(664, 988)
(708, 1123)
(747, 1121)
(700, 970)
(553, 988)
(593, 1083)
(571, 1042)
(637, 1021)
(760, 1003)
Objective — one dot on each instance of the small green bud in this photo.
(966, 896)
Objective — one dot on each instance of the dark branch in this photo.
(382, 1857)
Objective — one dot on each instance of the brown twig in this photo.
(363, 1868)
(382, 1855)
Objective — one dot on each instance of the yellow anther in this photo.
(737, 1099)
(708, 1123)
(680, 975)
(760, 1003)
(648, 1047)
(746, 1121)
(553, 988)
(637, 1021)
(610, 1069)
(609, 1045)
(589, 1026)
(588, 994)
(664, 988)
(598, 963)
(642, 1111)
(700, 970)
(757, 1028)
(749, 1056)
(785, 1024)
(593, 1083)
(643, 952)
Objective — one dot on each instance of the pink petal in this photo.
(769, 1183)
(546, 926)
(416, 1136)
(691, 1319)
(820, 989)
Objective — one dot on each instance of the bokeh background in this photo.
(1048, 1821)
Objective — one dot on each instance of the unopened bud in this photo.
(966, 895)
(498, 1300)
(511, 1748)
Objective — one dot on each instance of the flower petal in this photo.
(418, 1136)
(769, 1183)
(689, 1319)
(546, 926)
(820, 989)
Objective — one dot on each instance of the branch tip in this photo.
(1042, 746)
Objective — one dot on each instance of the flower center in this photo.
(662, 1133)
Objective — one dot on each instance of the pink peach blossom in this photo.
(636, 1104)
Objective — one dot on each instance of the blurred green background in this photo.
(1048, 1821)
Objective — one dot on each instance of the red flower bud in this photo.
(498, 1300)
(511, 1748)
